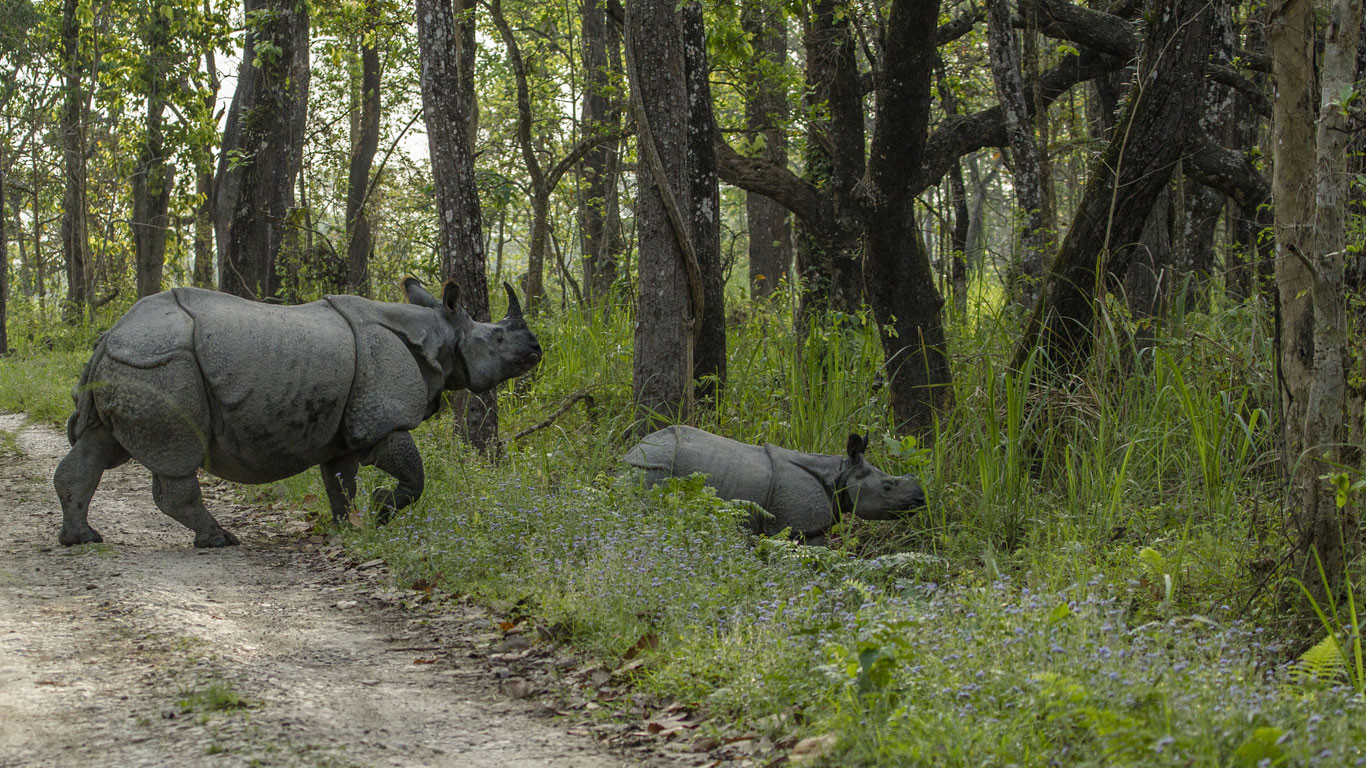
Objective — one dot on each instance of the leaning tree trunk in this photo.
(770, 247)
(668, 306)
(358, 238)
(152, 178)
(1024, 151)
(1310, 194)
(270, 132)
(75, 238)
(1125, 181)
(446, 106)
(204, 252)
(898, 275)
(704, 209)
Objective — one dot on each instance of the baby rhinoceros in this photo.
(804, 492)
(254, 393)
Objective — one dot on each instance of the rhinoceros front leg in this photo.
(339, 478)
(77, 477)
(179, 498)
(397, 455)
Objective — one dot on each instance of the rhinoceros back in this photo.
(277, 380)
(785, 483)
(736, 470)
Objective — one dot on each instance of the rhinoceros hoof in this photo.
(86, 535)
(219, 538)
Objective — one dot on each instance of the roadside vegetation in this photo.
(1089, 585)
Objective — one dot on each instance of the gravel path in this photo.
(146, 652)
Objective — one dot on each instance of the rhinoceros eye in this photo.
(886, 485)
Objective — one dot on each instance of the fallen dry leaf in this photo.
(813, 748)
(647, 642)
(516, 688)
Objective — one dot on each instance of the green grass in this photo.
(1086, 586)
(216, 696)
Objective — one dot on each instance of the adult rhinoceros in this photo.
(803, 492)
(254, 393)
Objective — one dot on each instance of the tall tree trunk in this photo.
(1124, 183)
(204, 250)
(601, 115)
(4, 262)
(1024, 151)
(770, 246)
(446, 106)
(898, 275)
(1310, 193)
(75, 237)
(153, 178)
(704, 208)
(1355, 276)
(829, 262)
(1252, 252)
(1147, 282)
(670, 289)
(363, 148)
(962, 218)
(258, 169)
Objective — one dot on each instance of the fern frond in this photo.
(1325, 661)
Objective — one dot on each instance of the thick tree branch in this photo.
(764, 177)
(582, 147)
(1229, 76)
(1228, 171)
(961, 135)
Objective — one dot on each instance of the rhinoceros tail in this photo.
(80, 418)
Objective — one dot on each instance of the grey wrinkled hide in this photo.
(801, 491)
(254, 393)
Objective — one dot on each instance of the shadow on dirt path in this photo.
(146, 652)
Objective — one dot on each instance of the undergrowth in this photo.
(1091, 583)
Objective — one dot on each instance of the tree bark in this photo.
(75, 237)
(1310, 191)
(601, 114)
(704, 208)
(446, 105)
(667, 307)
(257, 170)
(1124, 184)
(359, 242)
(4, 263)
(828, 257)
(958, 199)
(898, 276)
(1024, 151)
(770, 245)
(153, 178)
(1147, 281)
(204, 184)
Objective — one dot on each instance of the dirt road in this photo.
(145, 652)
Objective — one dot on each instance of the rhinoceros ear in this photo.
(856, 446)
(450, 296)
(412, 288)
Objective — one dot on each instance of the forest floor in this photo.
(143, 651)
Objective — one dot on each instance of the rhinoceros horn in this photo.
(514, 307)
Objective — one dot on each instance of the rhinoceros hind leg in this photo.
(339, 478)
(76, 478)
(397, 455)
(179, 498)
